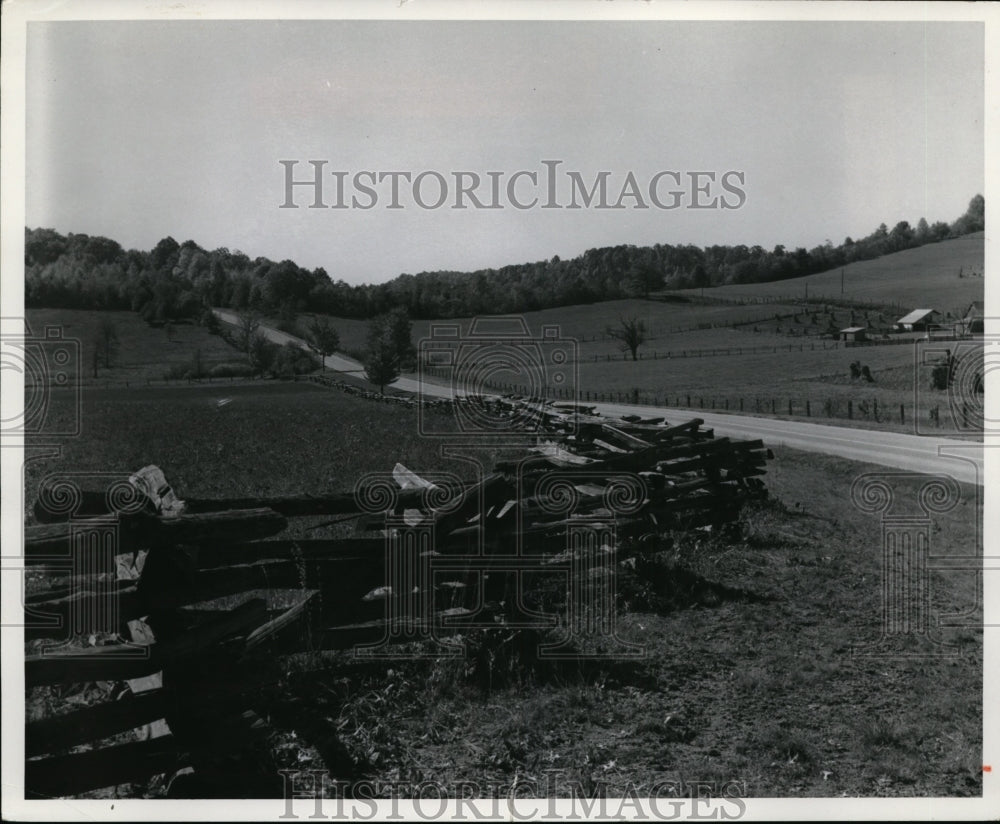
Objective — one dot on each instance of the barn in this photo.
(919, 320)
(853, 333)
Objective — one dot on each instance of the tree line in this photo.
(175, 281)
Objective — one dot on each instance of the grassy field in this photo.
(143, 352)
(271, 438)
(748, 673)
(926, 277)
(718, 368)
(765, 382)
(712, 351)
(586, 324)
(820, 376)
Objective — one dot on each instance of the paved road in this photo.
(961, 459)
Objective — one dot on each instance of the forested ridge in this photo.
(180, 280)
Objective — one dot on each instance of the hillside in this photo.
(925, 277)
(181, 280)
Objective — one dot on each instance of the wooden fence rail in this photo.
(197, 665)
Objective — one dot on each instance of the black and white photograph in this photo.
(428, 411)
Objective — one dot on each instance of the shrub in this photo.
(177, 371)
(231, 370)
(291, 326)
(292, 360)
(210, 322)
(261, 352)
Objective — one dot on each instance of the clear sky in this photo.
(138, 130)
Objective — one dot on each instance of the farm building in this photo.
(852, 333)
(919, 320)
(972, 323)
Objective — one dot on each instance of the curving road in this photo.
(961, 459)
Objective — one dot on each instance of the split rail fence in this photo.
(187, 604)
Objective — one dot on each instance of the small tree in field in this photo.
(247, 324)
(107, 341)
(630, 333)
(323, 338)
(400, 330)
(260, 352)
(382, 362)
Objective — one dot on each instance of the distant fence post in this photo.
(808, 411)
(902, 414)
(850, 409)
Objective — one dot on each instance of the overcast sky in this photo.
(139, 130)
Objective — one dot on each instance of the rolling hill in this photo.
(925, 277)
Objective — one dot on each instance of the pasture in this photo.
(750, 670)
(925, 277)
(817, 375)
(712, 351)
(143, 352)
(586, 324)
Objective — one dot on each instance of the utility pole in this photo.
(842, 281)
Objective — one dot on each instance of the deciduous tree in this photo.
(247, 325)
(630, 333)
(107, 341)
(323, 338)
(382, 358)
